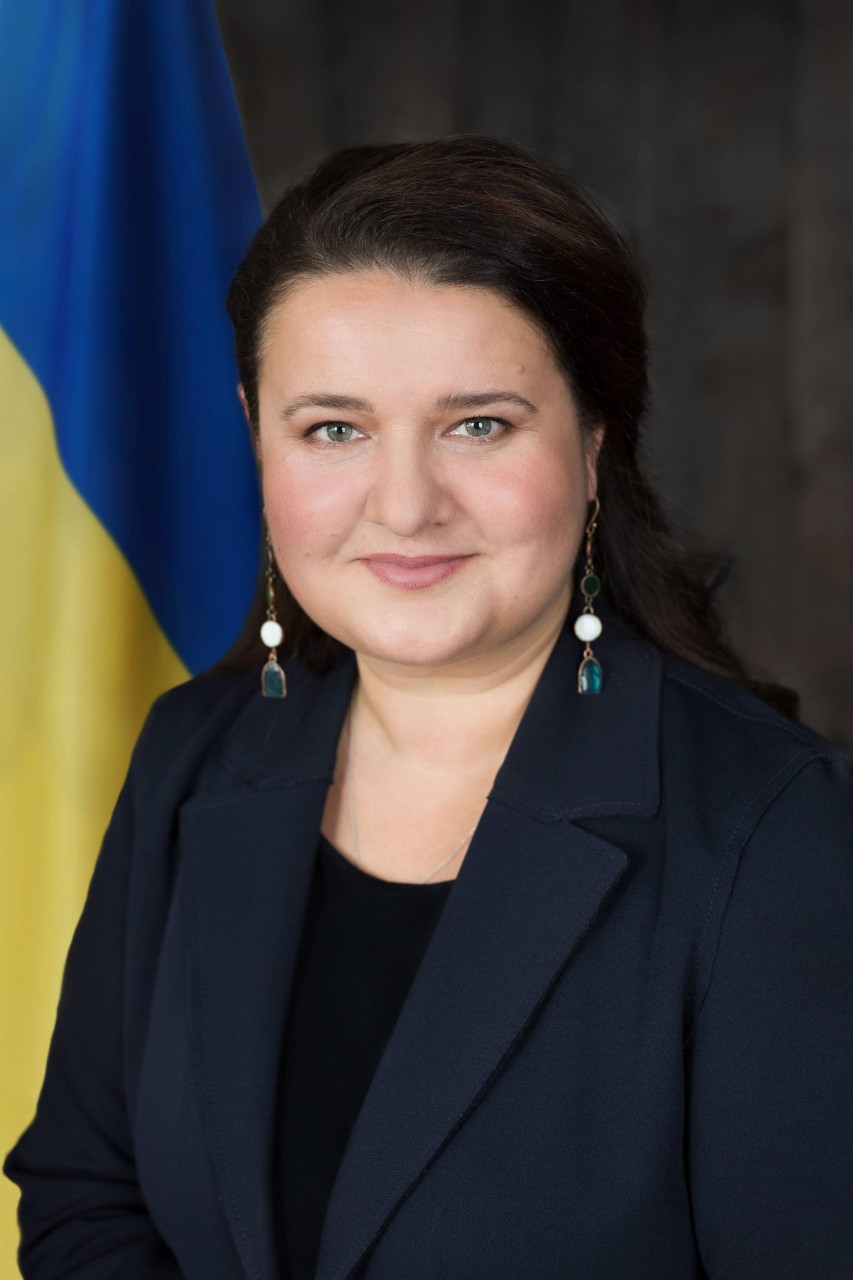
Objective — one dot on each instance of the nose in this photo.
(407, 488)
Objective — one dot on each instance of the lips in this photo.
(411, 562)
(414, 571)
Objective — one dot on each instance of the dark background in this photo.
(720, 137)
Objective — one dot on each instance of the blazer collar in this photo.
(528, 892)
(571, 755)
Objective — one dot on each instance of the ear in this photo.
(241, 396)
(595, 440)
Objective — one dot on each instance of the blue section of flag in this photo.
(126, 201)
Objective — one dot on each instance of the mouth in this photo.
(411, 562)
(414, 571)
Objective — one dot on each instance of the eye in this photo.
(480, 434)
(332, 426)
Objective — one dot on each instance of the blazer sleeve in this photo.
(81, 1212)
(769, 1060)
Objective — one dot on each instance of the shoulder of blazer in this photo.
(184, 724)
(186, 743)
(726, 754)
(740, 776)
(728, 706)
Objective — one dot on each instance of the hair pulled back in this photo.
(483, 211)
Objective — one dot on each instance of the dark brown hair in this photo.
(482, 211)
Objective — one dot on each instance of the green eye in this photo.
(480, 421)
(338, 426)
(483, 431)
(331, 427)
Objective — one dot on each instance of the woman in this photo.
(491, 921)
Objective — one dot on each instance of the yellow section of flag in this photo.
(81, 660)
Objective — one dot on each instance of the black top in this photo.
(361, 945)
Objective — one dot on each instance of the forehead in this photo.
(364, 321)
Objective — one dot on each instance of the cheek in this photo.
(533, 501)
(307, 514)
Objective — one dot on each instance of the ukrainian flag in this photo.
(129, 518)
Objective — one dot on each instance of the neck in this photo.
(458, 717)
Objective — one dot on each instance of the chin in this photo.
(417, 645)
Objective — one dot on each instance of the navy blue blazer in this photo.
(628, 1052)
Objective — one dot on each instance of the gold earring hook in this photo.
(590, 528)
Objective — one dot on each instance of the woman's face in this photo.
(421, 453)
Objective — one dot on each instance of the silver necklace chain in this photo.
(351, 799)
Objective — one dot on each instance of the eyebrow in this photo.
(459, 400)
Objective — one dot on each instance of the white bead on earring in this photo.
(273, 683)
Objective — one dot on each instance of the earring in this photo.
(587, 625)
(273, 684)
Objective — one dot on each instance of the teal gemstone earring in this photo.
(587, 625)
(273, 684)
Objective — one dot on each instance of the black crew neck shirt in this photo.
(362, 942)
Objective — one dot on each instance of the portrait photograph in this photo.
(426, 677)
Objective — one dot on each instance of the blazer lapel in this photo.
(529, 888)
